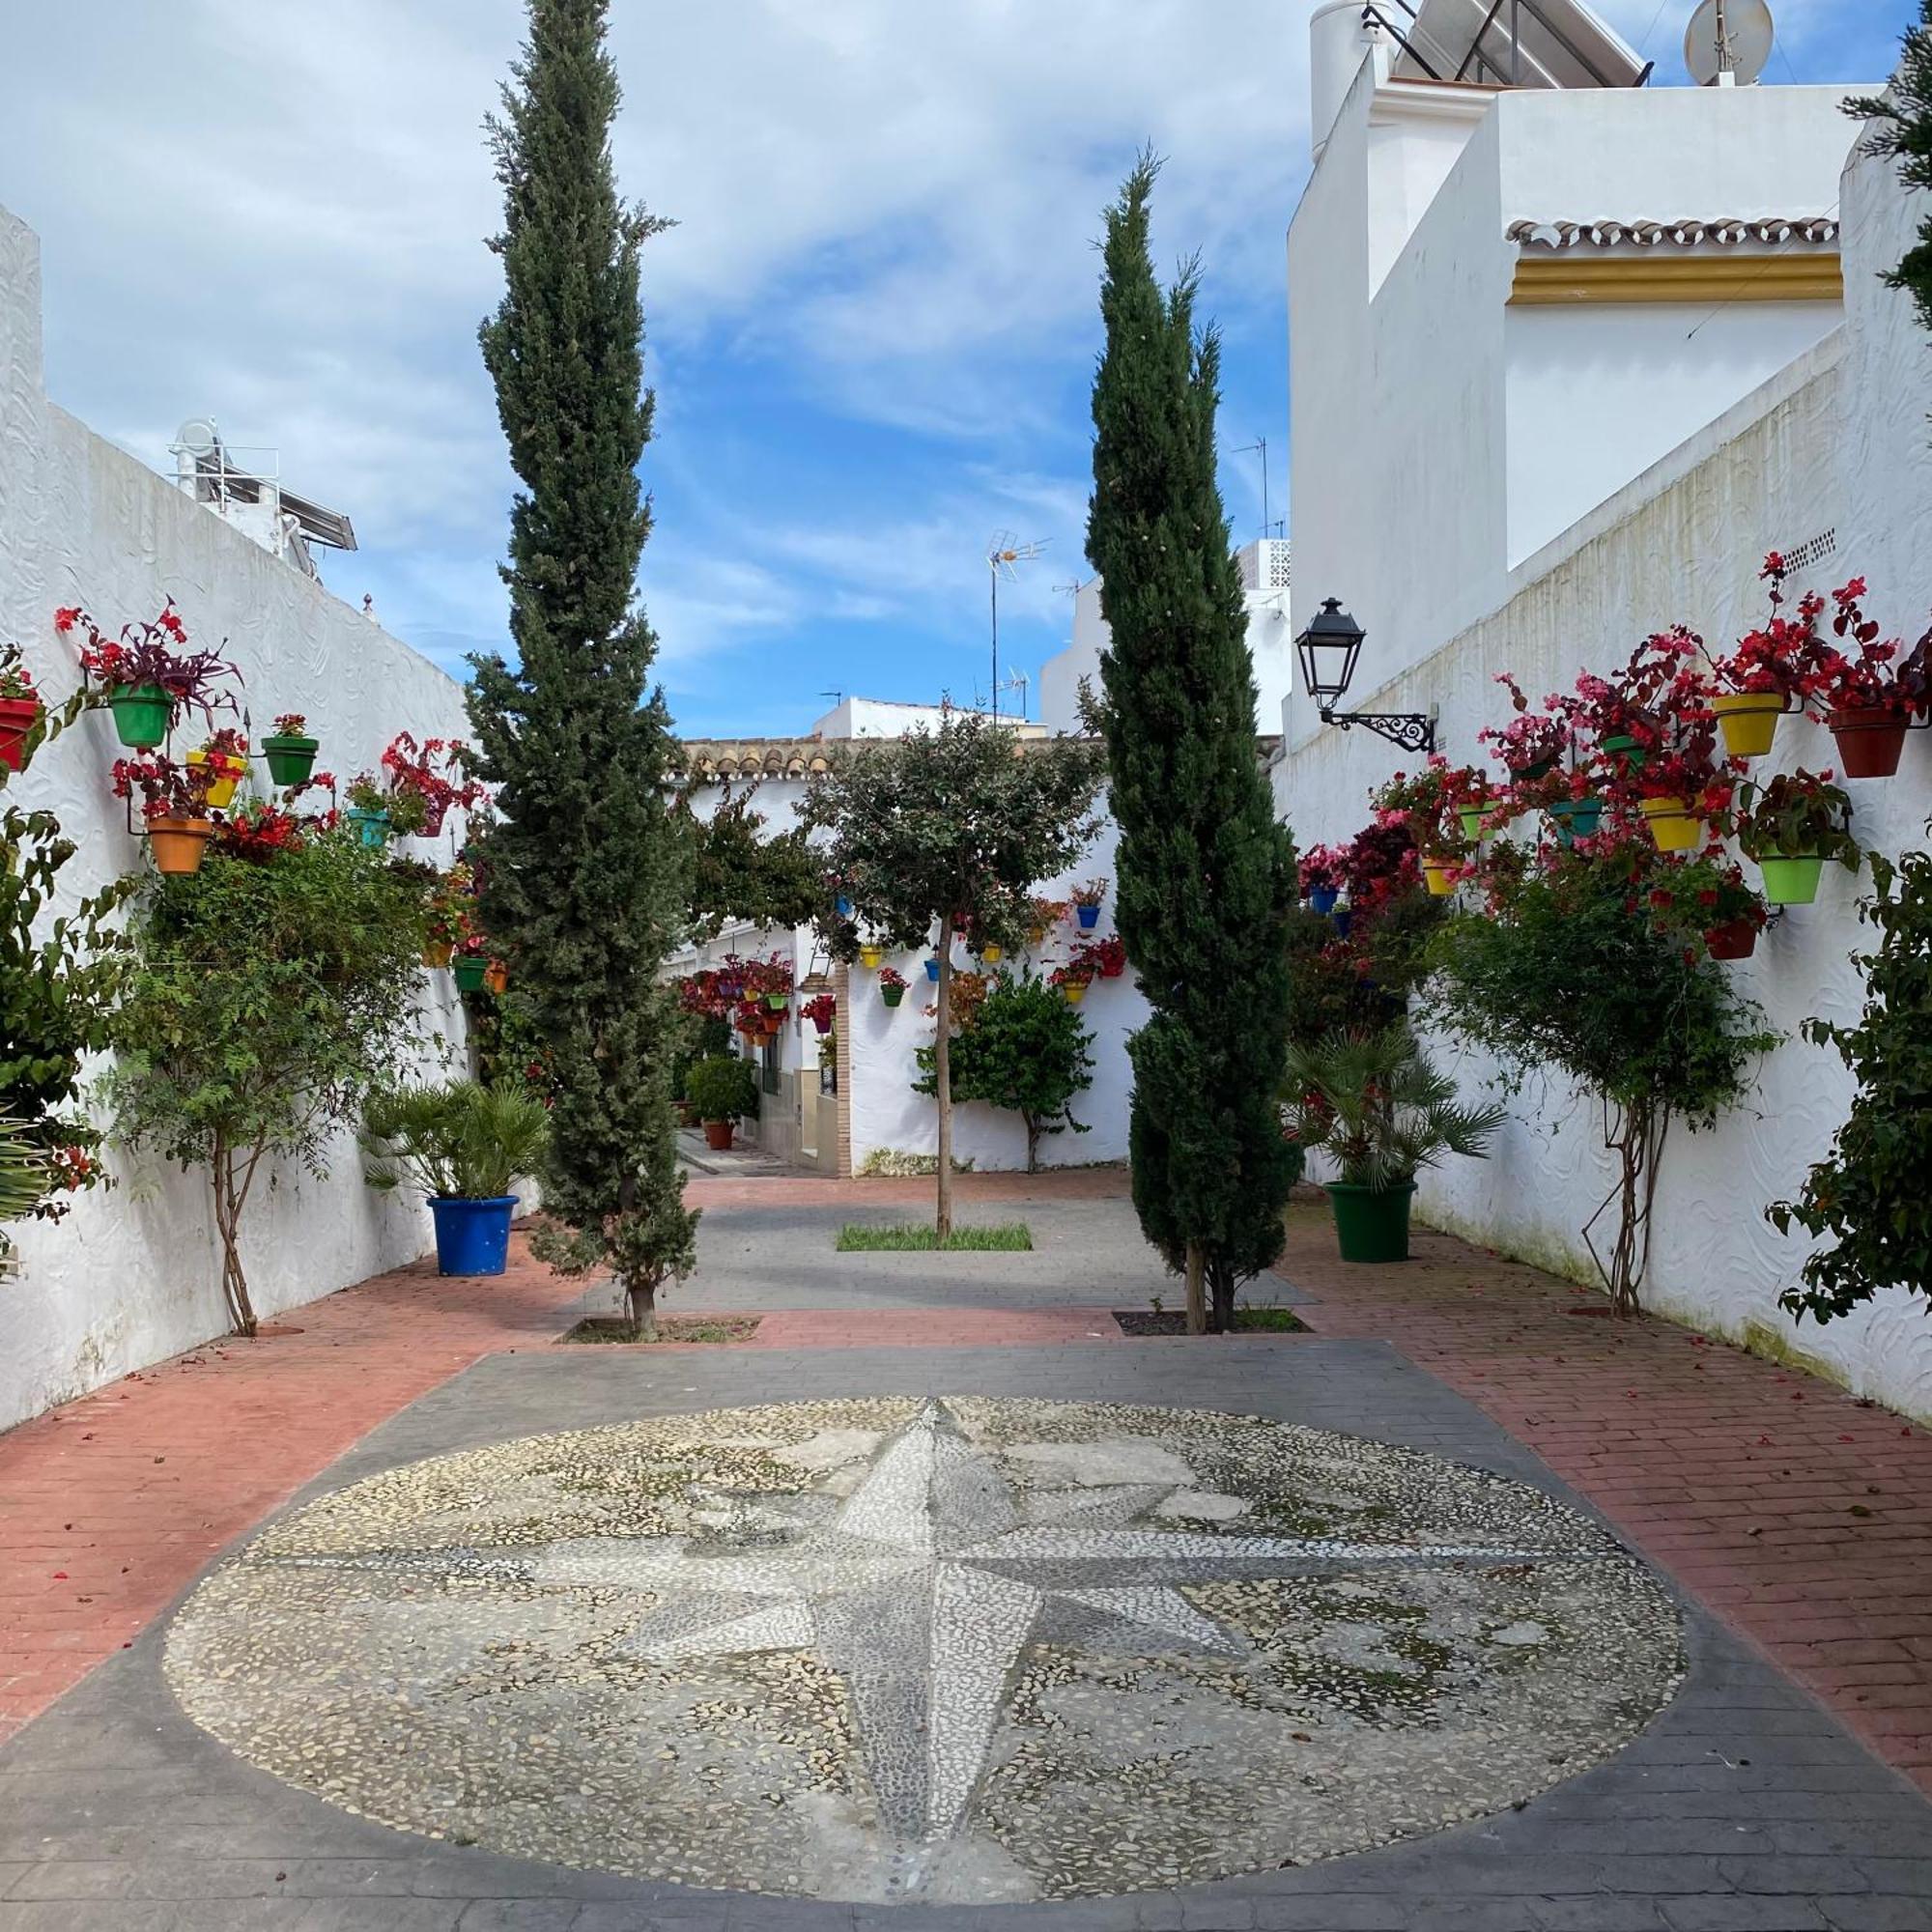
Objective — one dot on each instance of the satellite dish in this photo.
(197, 436)
(1728, 37)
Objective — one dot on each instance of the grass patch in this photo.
(860, 1238)
(1174, 1321)
(671, 1328)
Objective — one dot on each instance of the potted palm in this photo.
(464, 1145)
(1791, 826)
(1374, 1105)
(722, 1091)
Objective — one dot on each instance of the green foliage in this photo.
(739, 871)
(586, 878)
(1903, 131)
(860, 1238)
(263, 1003)
(1025, 1052)
(454, 1140)
(1374, 1102)
(1871, 1191)
(1796, 815)
(1207, 877)
(724, 1088)
(1363, 982)
(26, 1178)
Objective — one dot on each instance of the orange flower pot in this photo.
(178, 844)
(496, 977)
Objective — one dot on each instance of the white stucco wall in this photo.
(131, 1276)
(1835, 442)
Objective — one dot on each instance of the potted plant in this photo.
(1071, 980)
(259, 832)
(1706, 900)
(225, 753)
(447, 918)
(20, 707)
(1533, 741)
(1374, 1105)
(149, 682)
(872, 956)
(1773, 669)
(723, 1090)
(932, 969)
(464, 1145)
(1107, 957)
(1791, 826)
(821, 1009)
(425, 783)
(1043, 916)
(1573, 804)
(1321, 875)
(891, 985)
(1467, 792)
(1871, 700)
(497, 978)
(1088, 898)
(472, 964)
(369, 809)
(174, 808)
(290, 749)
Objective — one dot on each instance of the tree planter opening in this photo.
(1372, 1223)
(1324, 897)
(718, 1135)
(1749, 721)
(178, 844)
(1791, 881)
(472, 970)
(1672, 824)
(371, 827)
(291, 760)
(140, 714)
(17, 718)
(1437, 871)
(1737, 939)
(1870, 741)
(472, 1236)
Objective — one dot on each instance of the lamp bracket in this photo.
(1407, 731)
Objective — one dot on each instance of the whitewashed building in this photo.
(1567, 360)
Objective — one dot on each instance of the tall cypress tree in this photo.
(1205, 873)
(584, 878)
(1902, 130)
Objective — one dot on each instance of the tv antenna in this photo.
(1728, 43)
(1260, 444)
(1019, 681)
(1004, 555)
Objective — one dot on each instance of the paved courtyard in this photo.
(1272, 1632)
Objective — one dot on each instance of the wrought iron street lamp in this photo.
(1329, 650)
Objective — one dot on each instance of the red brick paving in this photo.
(1800, 1515)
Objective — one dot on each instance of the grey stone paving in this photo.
(1743, 1806)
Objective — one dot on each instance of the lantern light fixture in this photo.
(1329, 650)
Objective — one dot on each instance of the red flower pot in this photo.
(718, 1136)
(17, 717)
(1870, 739)
(1735, 939)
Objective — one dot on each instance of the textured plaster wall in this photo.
(131, 1276)
(1838, 441)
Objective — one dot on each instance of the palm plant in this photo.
(458, 1140)
(26, 1178)
(1371, 1101)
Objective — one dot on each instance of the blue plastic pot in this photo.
(1343, 918)
(1089, 917)
(932, 971)
(843, 905)
(371, 827)
(472, 1236)
(1323, 898)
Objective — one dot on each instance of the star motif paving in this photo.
(921, 1574)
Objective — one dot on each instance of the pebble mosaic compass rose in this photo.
(927, 1650)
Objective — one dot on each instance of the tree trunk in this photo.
(1033, 1142)
(1221, 1307)
(1197, 1298)
(229, 1200)
(942, 1072)
(640, 1301)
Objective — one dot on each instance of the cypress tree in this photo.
(1205, 873)
(583, 885)
(1903, 131)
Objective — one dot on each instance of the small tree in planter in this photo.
(1374, 1105)
(722, 1090)
(1870, 1193)
(1024, 1053)
(263, 1003)
(945, 828)
(1791, 826)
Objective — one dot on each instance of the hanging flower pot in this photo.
(291, 758)
(823, 1023)
(1791, 881)
(1736, 939)
(871, 957)
(842, 906)
(1472, 816)
(140, 714)
(436, 954)
(1870, 740)
(1537, 768)
(1342, 919)
(1577, 818)
(778, 1002)
(1089, 917)
(17, 717)
(470, 971)
(1074, 991)
(220, 790)
(1371, 1223)
(1323, 899)
(1036, 937)
(1672, 824)
(1437, 871)
(1626, 749)
(1749, 720)
(892, 995)
(991, 953)
(178, 844)
(497, 978)
(932, 969)
(372, 826)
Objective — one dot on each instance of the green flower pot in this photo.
(1472, 816)
(778, 1002)
(1372, 1223)
(892, 995)
(1791, 881)
(140, 714)
(289, 759)
(1627, 749)
(471, 970)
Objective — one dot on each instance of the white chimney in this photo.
(1338, 41)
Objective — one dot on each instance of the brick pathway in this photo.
(1800, 1515)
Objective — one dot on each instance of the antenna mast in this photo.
(1003, 553)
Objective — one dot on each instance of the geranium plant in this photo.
(16, 681)
(260, 831)
(1783, 657)
(1106, 957)
(1875, 677)
(1323, 869)
(426, 781)
(291, 725)
(821, 1009)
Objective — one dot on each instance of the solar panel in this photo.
(1508, 43)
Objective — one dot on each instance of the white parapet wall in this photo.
(1831, 455)
(131, 1276)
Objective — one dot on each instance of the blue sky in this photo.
(871, 334)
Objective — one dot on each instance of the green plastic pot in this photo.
(1791, 881)
(289, 759)
(471, 969)
(1627, 749)
(140, 714)
(1472, 816)
(1372, 1223)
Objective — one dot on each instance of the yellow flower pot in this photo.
(1074, 992)
(992, 954)
(220, 790)
(1749, 720)
(871, 957)
(1437, 872)
(1672, 825)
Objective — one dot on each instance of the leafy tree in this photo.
(943, 831)
(1568, 970)
(1207, 874)
(1903, 131)
(1024, 1051)
(1870, 1190)
(741, 871)
(586, 878)
(263, 1002)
